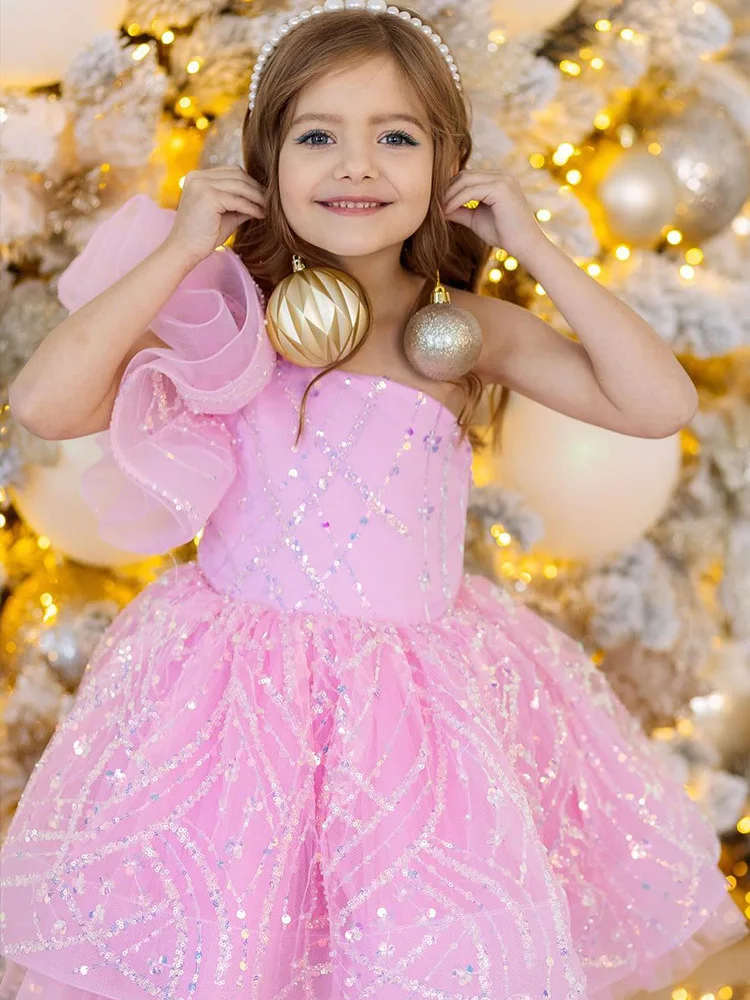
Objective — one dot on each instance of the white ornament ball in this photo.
(514, 17)
(598, 491)
(39, 38)
(50, 502)
(708, 153)
(635, 197)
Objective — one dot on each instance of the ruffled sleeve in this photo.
(168, 456)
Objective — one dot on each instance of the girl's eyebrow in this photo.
(373, 119)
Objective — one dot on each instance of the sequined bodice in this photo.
(365, 517)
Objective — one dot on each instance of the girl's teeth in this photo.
(354, 204)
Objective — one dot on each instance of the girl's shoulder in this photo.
(486, 309)
(471, 302)
(474, 302)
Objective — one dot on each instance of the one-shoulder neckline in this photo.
(412, 390)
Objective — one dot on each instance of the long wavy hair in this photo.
(338, 39)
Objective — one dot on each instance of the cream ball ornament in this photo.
(50, 502)
(710, 158)
(515, 18)
(631, 195)
(40, 38)
(597, 491)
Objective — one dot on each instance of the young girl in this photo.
(321, 762)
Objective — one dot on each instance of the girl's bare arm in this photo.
(68, 386)
(619, 374)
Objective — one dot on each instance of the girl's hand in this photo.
(213, 204)
(503, 217)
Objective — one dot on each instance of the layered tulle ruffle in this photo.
(299, 806)
(168, 455)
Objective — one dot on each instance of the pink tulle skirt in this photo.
(247, 803)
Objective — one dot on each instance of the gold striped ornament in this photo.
(316, 315)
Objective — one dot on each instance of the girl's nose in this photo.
(356, 165)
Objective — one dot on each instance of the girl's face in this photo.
(356, 134)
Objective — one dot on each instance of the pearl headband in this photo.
(378, 6)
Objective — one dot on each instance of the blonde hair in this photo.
(339, 39)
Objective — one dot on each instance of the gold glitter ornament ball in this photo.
(442, 342)
(316, 315)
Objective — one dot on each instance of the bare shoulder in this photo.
(497, 318)
(509, 332)
(486, 309)
(462, 297)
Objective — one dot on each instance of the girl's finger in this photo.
(457, 190)
(244, 206)
(228, 169)
(460, 197)
(465, 183)
(471, 177)
(454, 185)
(245, 176)
(223, 168)
(216, 175)
(463, 216)
(476, 184)
(239, 188)
(487, 177)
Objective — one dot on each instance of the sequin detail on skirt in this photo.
(285, 805)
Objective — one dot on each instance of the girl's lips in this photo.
(337, 210)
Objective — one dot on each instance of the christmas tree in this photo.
(627, 123)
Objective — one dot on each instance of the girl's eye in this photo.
(310, 138)
(316, 133)
(409, 140)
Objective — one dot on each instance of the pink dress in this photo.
(322, 762)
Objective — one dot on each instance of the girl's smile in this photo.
(353, 206)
